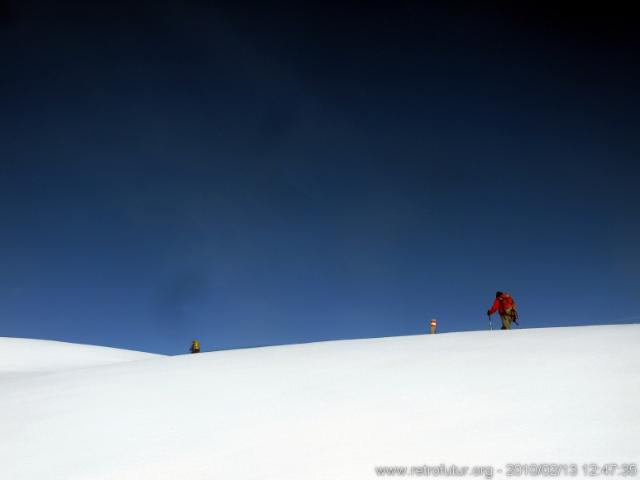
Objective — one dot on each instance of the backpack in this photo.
(507, 302)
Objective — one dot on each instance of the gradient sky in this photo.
(254, 174)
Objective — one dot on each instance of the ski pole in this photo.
(490, 323)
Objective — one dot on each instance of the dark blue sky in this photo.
(276, 174)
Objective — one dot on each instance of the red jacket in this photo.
(501, 303)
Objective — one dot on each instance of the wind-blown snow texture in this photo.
(331, 410)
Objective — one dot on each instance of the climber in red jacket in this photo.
(506, 307)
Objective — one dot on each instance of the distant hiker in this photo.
(506, 307)
(433, 325)
(195, 347)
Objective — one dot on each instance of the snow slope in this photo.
(20, 356)
(333, 410)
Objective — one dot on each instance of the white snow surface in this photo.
(20, 356)
(328, 410)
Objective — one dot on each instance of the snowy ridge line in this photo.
(310, 342)
(268, 345)
(421, 334)
(35, 356)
